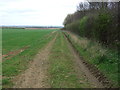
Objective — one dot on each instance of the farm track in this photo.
(36, 75)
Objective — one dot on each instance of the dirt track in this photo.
(36, 75)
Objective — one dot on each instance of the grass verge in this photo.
(104, 59)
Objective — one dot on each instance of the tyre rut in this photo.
(81, 68)
(36, 75)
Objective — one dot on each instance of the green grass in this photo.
(14, 39)
(6, 82)
(0, 56)
(104, 59)
(62, 72)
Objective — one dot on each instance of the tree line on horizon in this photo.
(97, 21)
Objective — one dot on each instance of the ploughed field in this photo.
(49, 58)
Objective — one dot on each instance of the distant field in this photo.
(41, 28)
(14, 39)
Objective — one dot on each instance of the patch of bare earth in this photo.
(83, 72)
(13, 53)
(36, 75)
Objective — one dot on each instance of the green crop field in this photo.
(15, 40)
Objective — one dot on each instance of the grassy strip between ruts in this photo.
(104, 59)
(62, 73)
(19, 63)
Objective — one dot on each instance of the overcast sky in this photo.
(36, 12)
